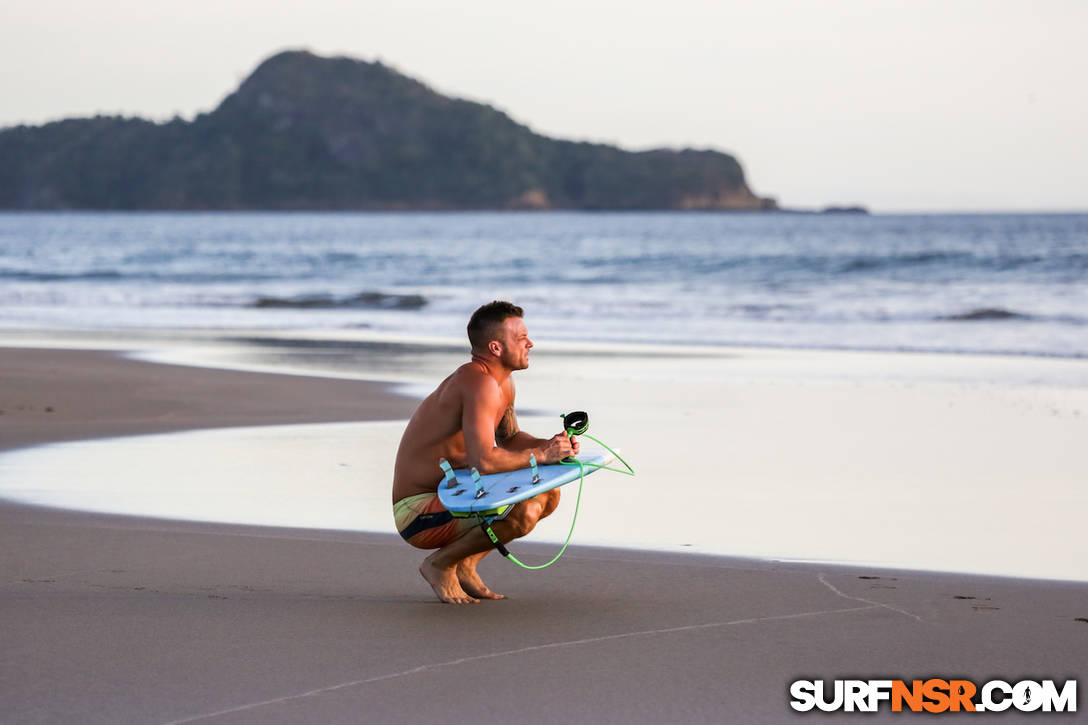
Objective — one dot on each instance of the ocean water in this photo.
(964, 283)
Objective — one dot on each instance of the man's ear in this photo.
(495, 348)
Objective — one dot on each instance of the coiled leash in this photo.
(576, 423)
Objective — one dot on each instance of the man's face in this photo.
(515, 343)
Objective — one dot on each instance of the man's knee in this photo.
(526, 514)
(523, 518)
(550, 500)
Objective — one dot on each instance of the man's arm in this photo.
(487, 449)
(511, 437)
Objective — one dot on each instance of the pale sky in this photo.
(920, 105)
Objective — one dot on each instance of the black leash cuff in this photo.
(486, 526)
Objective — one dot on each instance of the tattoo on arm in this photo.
(508, 426)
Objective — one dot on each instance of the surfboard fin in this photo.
(479, 486)
(451, 478)
(536, 473)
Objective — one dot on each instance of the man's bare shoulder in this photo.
(471, 385)
(472, 378)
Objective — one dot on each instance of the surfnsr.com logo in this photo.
(933, 695)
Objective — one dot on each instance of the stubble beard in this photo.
(518, 363)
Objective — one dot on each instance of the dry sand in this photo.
(116, 620)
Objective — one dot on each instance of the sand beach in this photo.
(820, 277)
(111, 618)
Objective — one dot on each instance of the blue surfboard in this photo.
(462, 495)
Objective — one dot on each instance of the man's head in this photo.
(497, 330)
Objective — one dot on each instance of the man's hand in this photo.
(558, 447)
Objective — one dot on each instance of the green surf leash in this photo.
(576, 423)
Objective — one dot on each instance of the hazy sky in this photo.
(913, 105)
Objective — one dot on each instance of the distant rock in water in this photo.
(984, 313)
(307, 132)
(845, 210)
(369, 300)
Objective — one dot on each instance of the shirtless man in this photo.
(469, 420)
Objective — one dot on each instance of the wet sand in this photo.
(64, 395)
(116, 619)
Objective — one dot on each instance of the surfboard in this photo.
(461, 495)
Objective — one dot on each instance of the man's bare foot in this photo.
(444, 582)
(471, 581)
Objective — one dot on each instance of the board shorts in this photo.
(425, 523)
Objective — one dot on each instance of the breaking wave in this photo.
(363, 300)
(983, 314)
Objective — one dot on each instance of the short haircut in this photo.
(485, 322)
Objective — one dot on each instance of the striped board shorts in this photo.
(425, 523)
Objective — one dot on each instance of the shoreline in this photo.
(122, 619)
(122, 393)
(311, 353)
(161, 341)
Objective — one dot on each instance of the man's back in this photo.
(435, 431)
